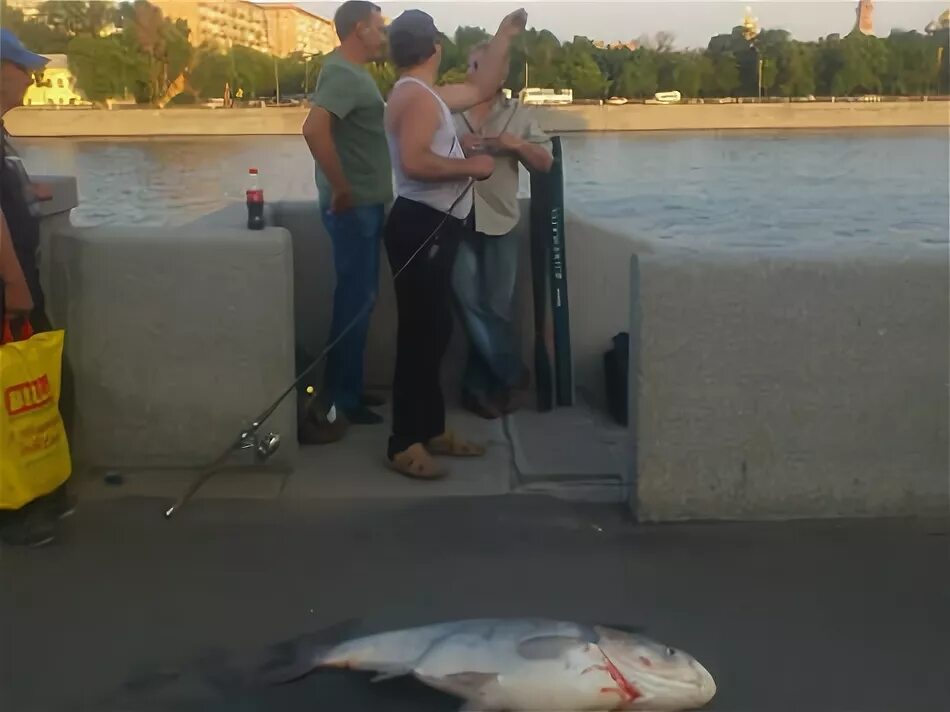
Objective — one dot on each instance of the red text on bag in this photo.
(27, 396)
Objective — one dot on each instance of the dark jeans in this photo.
(483, 280)
(423, 304)
(355, 235)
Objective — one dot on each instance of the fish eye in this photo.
(670, 652)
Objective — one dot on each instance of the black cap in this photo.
(412, 37)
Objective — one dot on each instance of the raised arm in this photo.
(416, 116)
(492, 69)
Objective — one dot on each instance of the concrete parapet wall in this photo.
(36, 122)
(175, 338)
(598, 278)
(783, 385)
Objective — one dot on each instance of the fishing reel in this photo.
(263, 446)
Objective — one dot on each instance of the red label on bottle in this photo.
(255, 196)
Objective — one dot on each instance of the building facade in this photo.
(865, 17)
(292, 29)
(279, 29)
(222, 23)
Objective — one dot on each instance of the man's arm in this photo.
(533, 148)
(492, 68)
(318, 132)
(415, 133)
(332, 98)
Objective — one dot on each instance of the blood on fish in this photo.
(626, 687)
(646, 662)
(627, 691)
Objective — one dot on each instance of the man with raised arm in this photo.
(423, 230)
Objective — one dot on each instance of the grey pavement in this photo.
(573, 452)
(129, 611)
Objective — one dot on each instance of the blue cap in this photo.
(12, 50)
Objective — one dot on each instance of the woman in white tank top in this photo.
(433, 203)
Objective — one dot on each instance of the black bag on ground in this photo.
(616, 363)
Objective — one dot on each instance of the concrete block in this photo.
(597, 272)
(54, 218)
(176, 338)
(790, 385)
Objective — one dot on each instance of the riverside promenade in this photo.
(129, 612)
(87, 122)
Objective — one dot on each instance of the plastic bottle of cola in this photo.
(255, 202)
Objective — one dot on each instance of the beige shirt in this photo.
(496, 199)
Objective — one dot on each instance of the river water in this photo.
(762, 188)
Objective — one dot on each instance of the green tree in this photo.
(37, 36)
(104, 69)
(578, 71)
(639, 77)
(688, 75)
(212, 70)
(163, 43)
(466, 38)
(385, 75)
(912, 67)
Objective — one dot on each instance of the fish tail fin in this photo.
(293, 659)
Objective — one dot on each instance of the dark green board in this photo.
(553, 364)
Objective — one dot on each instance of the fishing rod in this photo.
(267, 445)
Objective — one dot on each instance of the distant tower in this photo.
(865, 14)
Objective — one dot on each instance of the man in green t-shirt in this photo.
(345, 133)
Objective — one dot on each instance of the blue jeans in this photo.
(483, 280)
(356, 236)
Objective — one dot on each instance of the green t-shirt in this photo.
(348, 92)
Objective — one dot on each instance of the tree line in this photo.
(130, 49)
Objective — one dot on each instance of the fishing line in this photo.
(266, 447)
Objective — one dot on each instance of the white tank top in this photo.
(445, 143)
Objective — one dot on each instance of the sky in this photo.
(692, 23)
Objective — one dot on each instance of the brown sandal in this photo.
(448, 444)
(416, 462)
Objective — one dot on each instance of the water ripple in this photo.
(728, 188)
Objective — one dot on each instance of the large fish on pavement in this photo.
(517, 665)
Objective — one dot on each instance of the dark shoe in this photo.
(310, 433)
(363, 416)
(31, 529)
(60, 503)
(480, 406)
(511, 401)
(314, 426)
(372, 401)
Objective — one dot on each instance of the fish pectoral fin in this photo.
(548, 647)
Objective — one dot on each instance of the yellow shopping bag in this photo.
(34, 452)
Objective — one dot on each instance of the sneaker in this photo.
(363, 416)
(30, 529)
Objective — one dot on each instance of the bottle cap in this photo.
(253, 170)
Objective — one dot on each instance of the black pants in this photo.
(423, 304)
